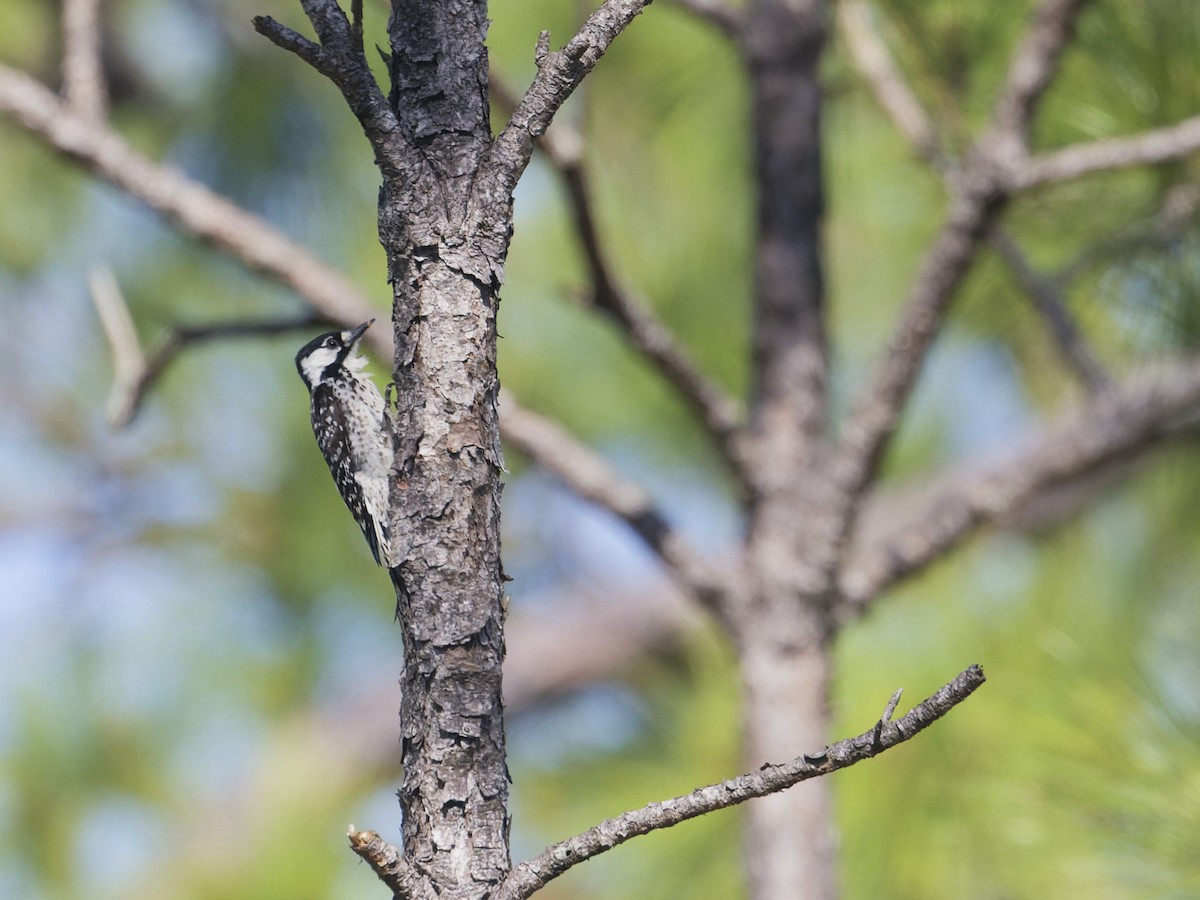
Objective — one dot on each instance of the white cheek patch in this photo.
(315, 363)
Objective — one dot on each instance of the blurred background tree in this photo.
(197, 668)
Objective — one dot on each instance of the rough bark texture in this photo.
(447, 507)
(445, 252)
(445, 219)
(446, 498)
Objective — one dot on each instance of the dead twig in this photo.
(591, 477)
(136, 372)
(979, 192)
(874, 62)
(530, 876)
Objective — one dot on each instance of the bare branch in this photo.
(530, 876)
(651, 337)
(330, 22)
(889, 710)
(719, 13)
(356, 22)
(389, 864)
(193, 208)
(591, 477)
(874, 62)
(294, 42)
(1130, 417)
(340, 57)
(135, 373)
(564, 148)
(1148, 148)
(874, 418)
(978, 193)
(82, 64)
(129, 363)
(559, 73)
(1029, 74)
(1052, 306)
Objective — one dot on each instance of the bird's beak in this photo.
(358, 332)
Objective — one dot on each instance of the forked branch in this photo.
(136, 372)
(979, 191)
(1118, 423)
(559, 73)
(340, 57)
(530, 876)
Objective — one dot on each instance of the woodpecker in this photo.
(350, 423)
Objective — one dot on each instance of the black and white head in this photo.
(326, 356)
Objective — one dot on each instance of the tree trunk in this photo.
(789, 847)
(781, 621)
(784, 632)
(445, 277)
(455, 788)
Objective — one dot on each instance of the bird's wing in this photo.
(329, 423)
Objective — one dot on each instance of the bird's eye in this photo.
(331, 342)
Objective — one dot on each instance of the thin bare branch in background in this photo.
(193, 208)
(135, 372)
(1129, 417)
(129, 362)
(591, 477)
(528, 877)
(895, 97)
(1051, 305)
(565, 149)
(979, 193)
(1147, 148)
(1033, 67)
(83, 84)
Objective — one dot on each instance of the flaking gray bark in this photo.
(429, 137)
(445, 219)
(446, 497)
